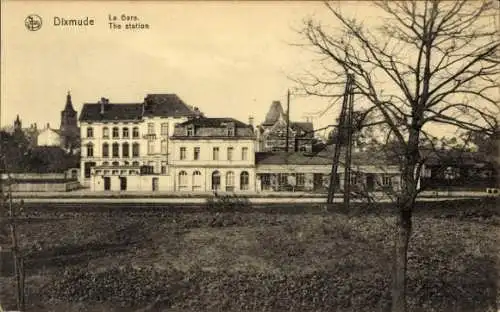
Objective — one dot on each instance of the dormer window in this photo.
(230, 130)
(190, 130)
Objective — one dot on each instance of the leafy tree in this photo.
(428, 62)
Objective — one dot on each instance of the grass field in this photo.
(267, 260)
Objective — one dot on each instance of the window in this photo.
(125, 150)
(282, 178)
(151, 128)
(230, 181)
(196, 155)
(126, 163)
(164, 146)
(197, 181)
(115, 164)
(105, 163)
(90, 132)
(300, 179)
(190, 130)
(105, 132)
(354, 179)
(105, 150)
(163, 167)
(215, 153)
(183, 180)
(125, 132)
(135, 150)
(135, 163)
(90, 150)
(88, 169)
(135, 132)
(229, 153)
(116, 132)
(182, 154)
(244, 180)
(244, 153)
(151, 147)
(230, 131)
(116, 150)
(164, 128)
(216, 180)
(386, 180)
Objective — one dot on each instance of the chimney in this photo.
(250, 120)
(102, 102)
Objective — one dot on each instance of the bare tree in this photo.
(422, 62)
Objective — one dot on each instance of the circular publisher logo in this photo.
(33, 22)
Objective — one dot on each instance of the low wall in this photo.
(48, 186)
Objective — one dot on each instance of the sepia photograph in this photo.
(259, 156)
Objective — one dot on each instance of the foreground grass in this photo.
(257, 261)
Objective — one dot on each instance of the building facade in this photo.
(127, 146)
(272, 133)
(49, 137)
(214, 154)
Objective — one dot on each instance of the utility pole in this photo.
(348, 152)
(287, 119)
(342, 139)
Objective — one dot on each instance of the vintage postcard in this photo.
(249, 156)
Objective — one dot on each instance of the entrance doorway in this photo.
(107, 183)
(155, 184)
(370, 182)
(123, 184)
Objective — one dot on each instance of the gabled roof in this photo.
(274, 113)
(322, 158)
(92, 112)
(158, 105)
(213, 127)
(166, 105)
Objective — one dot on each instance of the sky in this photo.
(229, 58)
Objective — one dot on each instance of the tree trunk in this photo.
(401, 241)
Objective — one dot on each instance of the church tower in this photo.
(69, 127)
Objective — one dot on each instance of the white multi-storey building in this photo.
(214, 154)
(127, 146)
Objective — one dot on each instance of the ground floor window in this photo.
(230, 181)
(386, 180)
(183, 180)
(197, 181)
(88, 168)
(244, 181)
(300, 179)
(216, 180)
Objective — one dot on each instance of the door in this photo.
(107, 183)
(370, 182)
(155, 184)
(123, 184)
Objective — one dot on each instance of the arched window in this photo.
(183, 180)
(125, 150)
(230, 181)
(197, 181)
(90, 150)
(105, 163)
(116, 132)
(126, 163)
(116, 148)
(105, 132)
(125, 132)
(105, 150)
(90, 132)
(244, 180)
(216, 180)
(135, 150)
(116, 164)
(135, 132)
